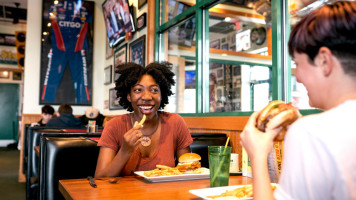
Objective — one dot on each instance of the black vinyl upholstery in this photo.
(24, 147)
(65, 158)
(33, 139)
(201, 141)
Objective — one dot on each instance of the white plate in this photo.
(182, 177)
(204, 193)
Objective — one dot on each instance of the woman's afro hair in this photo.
(130, 73)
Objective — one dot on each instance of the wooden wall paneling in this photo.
(222, 123)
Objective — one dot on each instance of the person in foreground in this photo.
(319, 150)
(126, 147)
(65, 118)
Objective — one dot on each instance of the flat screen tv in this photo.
(118, 20)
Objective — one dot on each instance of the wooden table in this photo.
(137, 188)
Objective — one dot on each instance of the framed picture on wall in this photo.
(220, 73)
(120, 55)
(141, 3)
(107, 75)
(225, 47)
(141, 21)
(109, 50)
(215, 44)
(114, 101)
(70, 57)
(137, 50)
(17, 76)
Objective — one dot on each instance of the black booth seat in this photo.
(75, 157)
(33, 139)
(65, 158)
(201, 141)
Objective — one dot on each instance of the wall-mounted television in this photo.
(118, 20)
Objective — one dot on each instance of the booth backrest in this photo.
(65, 158)
(201, 141)
(33, 139)
(34, 134)
(24, 147)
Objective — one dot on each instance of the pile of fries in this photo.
(163, 170)
(241, 192)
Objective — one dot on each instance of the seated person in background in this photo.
(319, 150)
(126, 147)
(47, 114)
(92, 114)
(65, 118)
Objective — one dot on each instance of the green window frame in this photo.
(281, 61)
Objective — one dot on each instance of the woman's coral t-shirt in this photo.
(175, 135)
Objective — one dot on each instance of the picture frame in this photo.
(215, 44)
(225, 47)
(109, 50)
(7, 39)
(120, 55)
(237, 70)
(113, 100)
(64, 90)
(141, 21)
(141, 3)
(17, 76)
(107, 75)
(138, 51)
(220, 73)
(219, 93)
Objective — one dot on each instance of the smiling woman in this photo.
(127, 146)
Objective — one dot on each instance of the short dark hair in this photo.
(332, 26)
(65, 109)
(130, 73)
(47, 109)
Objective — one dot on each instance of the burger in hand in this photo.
(189, 162)
(277, 114)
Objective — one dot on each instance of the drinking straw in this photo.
(221, 162)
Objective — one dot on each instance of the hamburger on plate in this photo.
(277, 114)
(189, 162)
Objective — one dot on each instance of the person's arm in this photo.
(258, 145)
(111, 163)
(183, 151)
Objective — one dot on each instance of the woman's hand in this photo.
(256, 142)
(132, 139)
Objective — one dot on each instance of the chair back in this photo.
(65, 158)
(201, 141)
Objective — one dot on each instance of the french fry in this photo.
(142, 120)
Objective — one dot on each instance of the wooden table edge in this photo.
(64, 192)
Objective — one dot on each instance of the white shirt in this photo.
(319, 160)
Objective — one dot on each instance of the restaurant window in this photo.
(230, 57)
(238, 35)
(172, 8)
(180, 51)
(297, 10)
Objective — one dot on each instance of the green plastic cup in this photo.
(219, 165)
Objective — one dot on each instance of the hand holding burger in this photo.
(277, 114)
